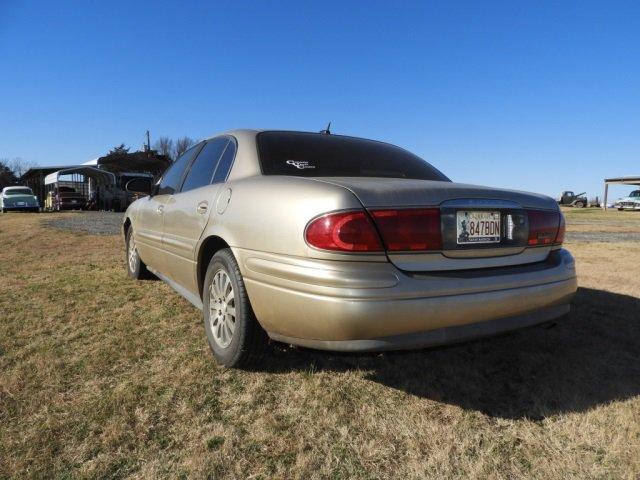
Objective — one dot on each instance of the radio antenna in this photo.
(326, 131)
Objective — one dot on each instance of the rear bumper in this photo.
(357, 306)
(432, 338)
(71, 206)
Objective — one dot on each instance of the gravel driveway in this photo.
(95, 223)
(609, 237)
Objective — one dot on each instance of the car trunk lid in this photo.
(460, 206)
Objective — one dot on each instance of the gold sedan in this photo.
(341, 243)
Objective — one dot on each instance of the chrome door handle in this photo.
(160, 209)
(202, 208)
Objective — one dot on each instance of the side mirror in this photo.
(139, 185)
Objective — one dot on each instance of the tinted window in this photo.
(201, 171)
(225, 163)
(318, 155)
(172, 178)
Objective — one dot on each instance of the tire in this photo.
(579, 205)
(136, 268)
(236, 341)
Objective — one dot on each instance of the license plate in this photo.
(21, 204)
(477, 227)
(74, 201)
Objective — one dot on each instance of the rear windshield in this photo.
(317, 155)
(18, 191)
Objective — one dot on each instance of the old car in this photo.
(64, 198)
(19, 199)
(341, 243)
(632, 202)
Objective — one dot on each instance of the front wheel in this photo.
(235, 336)
(135, 266)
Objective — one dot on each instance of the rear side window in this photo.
(317, 155)
(225, 163)
(201, 172)
(172, 178)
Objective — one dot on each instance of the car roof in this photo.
(15, 187)
(237, 132)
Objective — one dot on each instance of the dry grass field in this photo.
(104, 377)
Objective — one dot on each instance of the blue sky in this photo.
(540, 96)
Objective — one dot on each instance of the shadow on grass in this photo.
(586, 360)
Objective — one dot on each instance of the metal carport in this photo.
(619, 181)
(90, 179)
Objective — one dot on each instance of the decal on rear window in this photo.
(300, 164)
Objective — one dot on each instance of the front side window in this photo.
(172, 178)
(201, 171)
(317, 155)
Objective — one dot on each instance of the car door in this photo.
(150, 218)
(187, 212)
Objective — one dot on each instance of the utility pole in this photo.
(148, 142)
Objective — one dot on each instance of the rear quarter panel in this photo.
(270, 213)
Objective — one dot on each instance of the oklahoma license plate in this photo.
(477, 227)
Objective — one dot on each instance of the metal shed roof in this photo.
(89, 171)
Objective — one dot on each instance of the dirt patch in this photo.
(94, 223)
(595, 225)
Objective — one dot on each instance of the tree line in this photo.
(12, 169)
(172, 148)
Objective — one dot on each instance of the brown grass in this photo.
(103, 377)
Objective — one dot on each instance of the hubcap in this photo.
(133, 254)
(222, 309)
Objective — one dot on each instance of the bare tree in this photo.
(182, 145)
(7, 177)
(19, 166)
(164, 146)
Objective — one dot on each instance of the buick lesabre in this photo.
(341, 243)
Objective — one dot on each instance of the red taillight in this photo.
(561, 230)
(344, 231)
(409, 229)
(545, 228)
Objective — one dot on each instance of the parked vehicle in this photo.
(570, 199)
(632, 202)
(342, 243)
(64, 198)
(19, 199)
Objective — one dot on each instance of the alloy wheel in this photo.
(222, 309)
